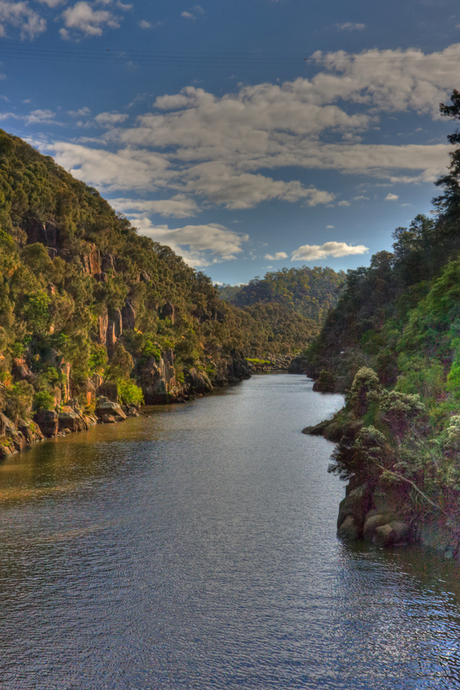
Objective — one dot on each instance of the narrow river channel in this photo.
(195, 548)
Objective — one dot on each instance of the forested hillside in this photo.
(310, 292)
(291, 304)
(89, 306)
(393, 342)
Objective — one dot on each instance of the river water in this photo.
(195, 548)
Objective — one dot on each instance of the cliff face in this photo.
(91, 311)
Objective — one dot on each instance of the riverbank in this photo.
(103, 407)
(389, 501)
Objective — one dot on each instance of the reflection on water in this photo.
(195, 548)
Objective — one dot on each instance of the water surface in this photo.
(195, 548)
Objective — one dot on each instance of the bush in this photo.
(130, 394)
(19, 400)
(43, 400)
(365, 381)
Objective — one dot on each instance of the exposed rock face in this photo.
(91, 261)
(379, 513)
(109, 389)
(198, 382)
(115, 317)
(128, 315)
(158, 380)
(168, 310)
(108, 263)
(102, 325)
(348, 531)
(71, 420)
(48, 422)
(46, 233)
(21, 369)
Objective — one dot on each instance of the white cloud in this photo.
(391, 80)
(193, 12)
(127, 169)
(391, 197)
(178, 206)
(313, 252)
(20, 16)
(330, 227)
(219, 149)
(52, 3)
(81, 112)
(144, 24)
(350, 26)
(276, 257)
(39, 116)
(111, 119)
(344, 203)
(199, 245)
(217, 182)
(83, 18)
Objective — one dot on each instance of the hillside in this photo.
(311, 292)
(88, 307)
(392, 343)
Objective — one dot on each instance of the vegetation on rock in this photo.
(393, 343)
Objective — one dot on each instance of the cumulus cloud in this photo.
(391, 197)
(217, 182)
(111, 119)
(39, 116)
(20, 16)
(127, 169)
(199, 245)
(179, 206)
(390, 80)
(276, 257)
(313, 252)
(81, 112)
(83, 19)
(218, 149)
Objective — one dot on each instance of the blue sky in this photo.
(248, 136)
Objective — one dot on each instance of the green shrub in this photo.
(130, 394)
(43, 400)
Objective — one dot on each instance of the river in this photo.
(195, 548)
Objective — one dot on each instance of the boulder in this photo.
(384, 536)
(356, 504)
(107, 419)
(370, 525)
(108, 408)
(348, 530)
(401, 531)
(71, 420)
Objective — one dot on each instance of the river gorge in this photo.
(195, 547)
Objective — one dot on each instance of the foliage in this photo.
(401, 315)
(129, 393)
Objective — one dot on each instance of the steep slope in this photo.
(393, 343)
